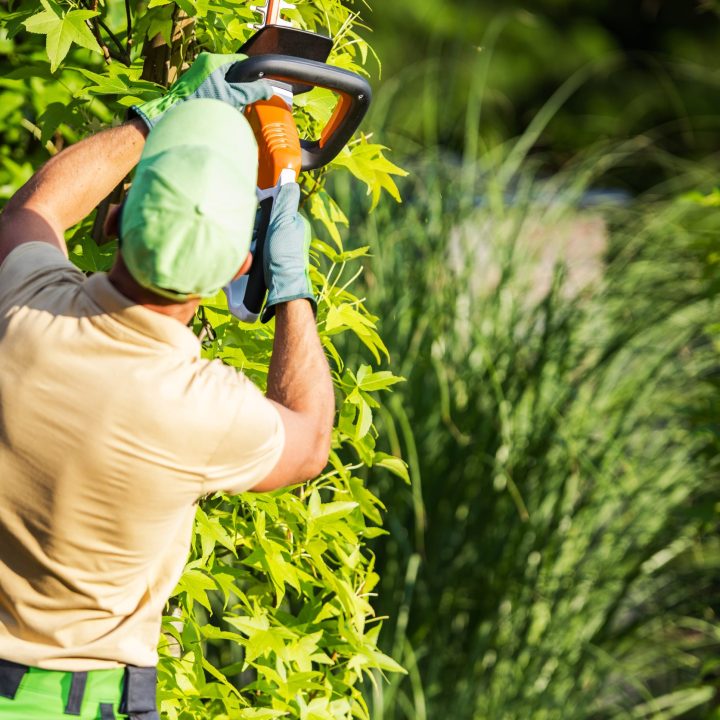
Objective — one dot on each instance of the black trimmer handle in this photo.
(354, 90)
(256, 288)
(246, 294)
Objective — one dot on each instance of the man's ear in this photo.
(245, 267)
(112, 221)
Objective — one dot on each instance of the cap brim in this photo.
(210, 120)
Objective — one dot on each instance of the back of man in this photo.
(112, 428)
(111, 425)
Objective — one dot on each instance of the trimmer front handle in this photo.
(354, 91)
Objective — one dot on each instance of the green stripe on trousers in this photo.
(43, 695)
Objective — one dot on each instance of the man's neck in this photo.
(120, 277)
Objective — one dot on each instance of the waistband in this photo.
(137, 686)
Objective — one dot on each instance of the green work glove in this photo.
(204, 79)
(287, 251)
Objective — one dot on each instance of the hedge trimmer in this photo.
(294, 62)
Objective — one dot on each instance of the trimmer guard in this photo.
(282, 40)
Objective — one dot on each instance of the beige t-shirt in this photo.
(111, 428)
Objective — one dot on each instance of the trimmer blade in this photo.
(271, 13)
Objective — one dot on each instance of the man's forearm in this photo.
(299, 375)
(71, 184)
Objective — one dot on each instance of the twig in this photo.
(115, 197)
(128, 16)
(95, 29)
(36, 132)
(317, 179)
(125, 57)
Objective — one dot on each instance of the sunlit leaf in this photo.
(62, 29)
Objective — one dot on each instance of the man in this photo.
(111, 426)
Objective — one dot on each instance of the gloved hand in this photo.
(287, 251)
(204, 79)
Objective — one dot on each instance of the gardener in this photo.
(111, 426)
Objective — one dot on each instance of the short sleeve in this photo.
(252, 444)
(29, 268)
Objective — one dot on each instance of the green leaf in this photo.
(211, 531)
(712, 199)
(55, 115)
(13, 22)
(75, 26)
(364, 421)
(188, 7)
(87, 255)
(374, 381)
(341, 257)
(329, 512)
(385, 662)
(394, 464)
(104, 84)
(62, 29)
(368, 163)
(45, 21)
(31, 70)
(160, 22)
(347, 317)
(196, 585)
(324, 209)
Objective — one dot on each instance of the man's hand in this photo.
(205, 80)
(299, 381)
(287, 249)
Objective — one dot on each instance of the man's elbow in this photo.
(305, 455)
(318, 458)
(317, 464)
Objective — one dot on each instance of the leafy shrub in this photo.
(272, 616)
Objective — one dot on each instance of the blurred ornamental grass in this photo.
(556, 552)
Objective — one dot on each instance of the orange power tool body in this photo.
(293, 62)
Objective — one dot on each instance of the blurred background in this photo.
(548, 288)
(644, 67)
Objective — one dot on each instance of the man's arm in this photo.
(69, 186)
(300, 385)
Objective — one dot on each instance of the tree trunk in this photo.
(163, 64)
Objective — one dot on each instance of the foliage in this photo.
(556, 555)
(272, 616)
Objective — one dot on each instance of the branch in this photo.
(128, 17)
(95, 29)
(36, 132)
(98, 230)
(124, 55)
(317, 179)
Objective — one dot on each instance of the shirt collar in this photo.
(153, 325)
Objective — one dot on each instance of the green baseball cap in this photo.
(187, 220)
